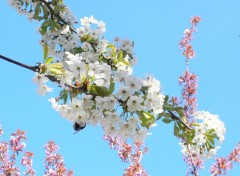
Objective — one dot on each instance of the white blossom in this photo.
(123, 93)
(134, 104)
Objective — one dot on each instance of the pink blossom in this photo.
(1, 131)
(189, 83)
(188, 36)
(27, 161)
(9, 161)
(223, 164)
(131, 154)
(9, 152)
(54, 165)
(194, 164)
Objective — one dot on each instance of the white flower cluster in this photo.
(18, 6)
(22, 8)
(208, 129)
(91, 62)
(40, 80)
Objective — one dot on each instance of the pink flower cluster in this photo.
(54, 165)
(1, 131)
(189, 82)
(194, 164)
(188, 36)
(130, 154)
(27, 162)
(223, 164)
(9, 153)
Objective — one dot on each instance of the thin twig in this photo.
(32, 68)
(174, 117)
(228, 163)
(57, 15)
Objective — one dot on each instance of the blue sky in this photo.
(156, 27)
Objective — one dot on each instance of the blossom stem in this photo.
(57, 15)
(228, 163)
(187, 63)
(174, 117)
(32, 68)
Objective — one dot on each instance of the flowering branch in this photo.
(32, 68)
(98, 88)
(9, 152)
(51, 11)
(177, 118)
(16, 146)
(54, 162)
(223, 164)
(198, 145)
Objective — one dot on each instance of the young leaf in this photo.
(163, 114)
(166, 98)
(99, 90)
(113, 48)
(37, 12)
(146, 118)
(45, 52)
(48, 60)
(180, 111)
(45, 11)
(111, 87)
(167, 120)
(63, 96)
(56, 68)
(120, 54)
(176, 130)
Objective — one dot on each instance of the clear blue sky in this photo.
(156, 26)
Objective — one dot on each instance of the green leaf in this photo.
(146, 118)
(160, 116)
(167, 120)
(111, 87)
(184, 119)
(55, 26)
(120, 54)
(99, 90)
(45, 11)
(58, 9)
(211, 140)
(76, 50)
(63, 96)
(60, 2)
(48, 60)
(209, 145)
(166, 98)
(126, 62)
(37, 12)
(163, 114)
(47, 23)
(176, 130)
(45, 51)
(45, 26)
(43, 30)
(113, 48)
(179, 110)
(56, 68)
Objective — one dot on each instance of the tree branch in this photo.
(32, 68)
(174, 117)
(57, 15)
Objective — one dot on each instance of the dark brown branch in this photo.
(47, 4)
(174, 117)
(32, 68)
